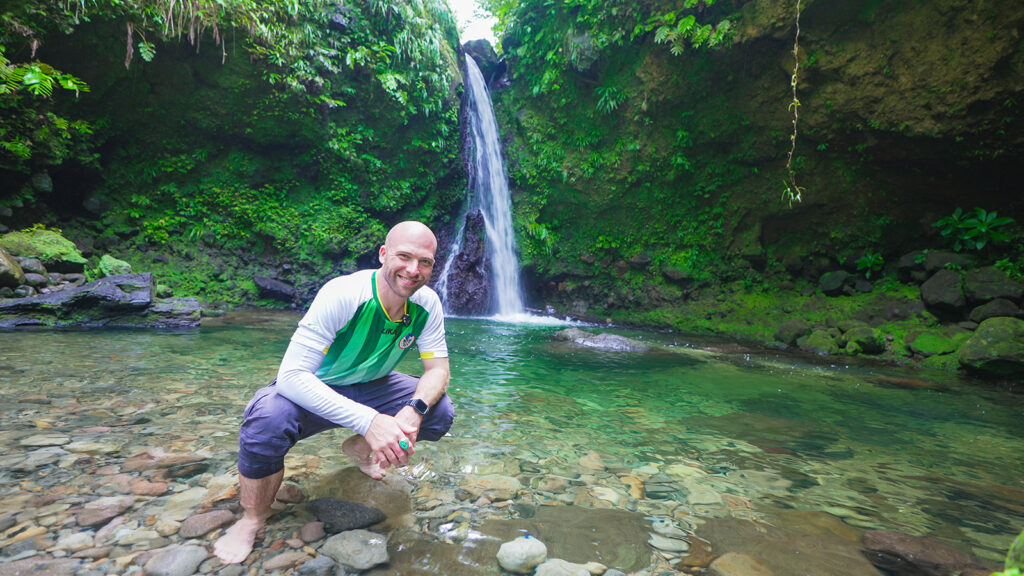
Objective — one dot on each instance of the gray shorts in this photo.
(273, 423)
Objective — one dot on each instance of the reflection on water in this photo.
(679, 432)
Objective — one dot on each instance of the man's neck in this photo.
(393, 304)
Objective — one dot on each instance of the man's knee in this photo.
(438, 420)
(269, 430)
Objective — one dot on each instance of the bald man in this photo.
(338, 372)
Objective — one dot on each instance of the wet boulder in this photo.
(904, 554)
(110, 266)
(342, 515)
(863, 339)
(928, 344)
(910, 267)
(935, 261)
(606, 342)
(469, 290)
(995, 349)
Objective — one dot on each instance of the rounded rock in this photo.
(522, 555)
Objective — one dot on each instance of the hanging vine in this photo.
(793, 192)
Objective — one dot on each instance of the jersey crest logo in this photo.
(406, 341)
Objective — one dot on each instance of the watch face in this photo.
(419, 405)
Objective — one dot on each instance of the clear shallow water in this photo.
(714, 434)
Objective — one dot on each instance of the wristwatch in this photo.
(418, 405)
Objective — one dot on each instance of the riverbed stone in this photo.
(522, 555)
(735, 564)
(110, 266)
(342, 515)
(320, 566)
(101, 510)
(57, 253)
(494, 486)
(357, 549)
(559, 567)
(312, 531)
(290, 494)
(176, 561)
(155, 458)
(75, 542)
(285, 560)
(899, 553)
(36, 459)
(995, 349)
(202, 524)
(51, 439)
(41, 566)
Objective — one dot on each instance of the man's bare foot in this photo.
(356, 448)
(236, 544)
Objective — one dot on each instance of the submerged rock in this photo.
(900, 553)
(342, 515)
(608, 342)
(522, 555)
(357, 549)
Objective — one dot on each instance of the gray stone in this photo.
(45, 439)
(39, 566)
(202, 524)
(178, 561)
(606, 342)
(558, 567)
(36, 280)
(668, 544)
(934, 261)
(867, 339)
(832, 283)
(993, 309)
(110, 266)
(319, 566)
(944, 291)
(274, 289)
(357, 549)
(989, 283)
(11, 272)
(103, 509)
(522, 555)
(342, 515)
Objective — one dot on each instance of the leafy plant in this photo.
(1014, 565)
(974, 231)
(869, 263)
(608, 99)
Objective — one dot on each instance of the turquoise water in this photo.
(710, 430)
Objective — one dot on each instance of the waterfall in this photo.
(490, 195)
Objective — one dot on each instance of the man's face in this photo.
(406, 264)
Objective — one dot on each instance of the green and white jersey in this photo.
(360, 342)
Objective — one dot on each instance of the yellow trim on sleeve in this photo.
(427, 355)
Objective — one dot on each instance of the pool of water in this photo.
(694, 430)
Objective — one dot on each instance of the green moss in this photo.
(47, 245)
(110, 266)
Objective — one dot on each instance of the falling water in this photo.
(491, 197)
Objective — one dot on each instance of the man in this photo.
(337, 372)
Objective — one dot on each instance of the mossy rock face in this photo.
(791, 330)
(995, 349)
(111, 266)
(56, 252)
(866, 339)
(928, 344)
(820, 342)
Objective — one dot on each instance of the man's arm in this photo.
(431, 387)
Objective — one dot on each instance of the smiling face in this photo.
(407, 258)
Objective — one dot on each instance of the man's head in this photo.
(407, 257)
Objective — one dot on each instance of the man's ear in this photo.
(382, 253)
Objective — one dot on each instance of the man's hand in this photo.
(409, 419)
(383, 436)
